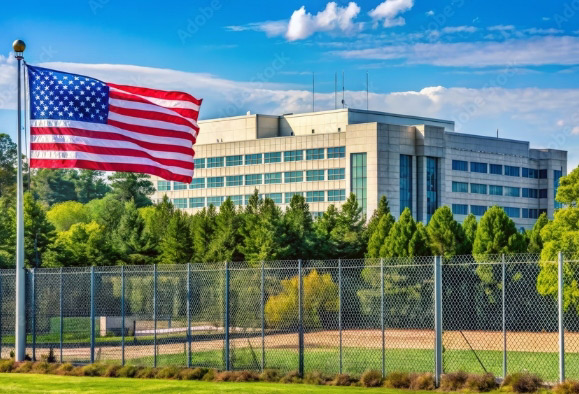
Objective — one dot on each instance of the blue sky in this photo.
(511, 65)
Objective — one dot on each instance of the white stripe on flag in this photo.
(148, 107)
(150, 123)
(164, 102)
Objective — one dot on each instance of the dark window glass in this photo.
(405, 182)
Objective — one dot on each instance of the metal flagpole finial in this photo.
(19, 46)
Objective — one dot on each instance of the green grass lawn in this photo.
(29, 383)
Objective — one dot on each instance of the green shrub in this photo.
(42, 367)
(397, 380)
(317, 378)
(291, 377)
(93, 370)
(210, 375)
(424, 381)
(371, 378)
(24, 367)
(6, 366)
(167, 373)
(482, 383)
(64, 369)
(522, 382)
(128, 371)
(567, 387)
(112, 371)
(146, 373)
(270, 375)
(341, 380)
(192, 373)
(453, 381)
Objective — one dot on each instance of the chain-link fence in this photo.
(498, 314)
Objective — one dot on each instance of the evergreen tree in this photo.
(263, 239)
(469, 227)
(8, 155)
(382, 209)
(535, 240)
(202, 232)
(324, 226)
(348, 234)
(420, 242)
(131, 240)
(226, 240)
(397, 243)
(299, 229)
(90, 185)
(497, 234)
(379, 235)
(445, 234)
(158, 221)
(39, 233)
(51, 186)
(176, 245)
(7, 231)
(130, 185)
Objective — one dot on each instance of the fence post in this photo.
(122, 315)
(33, 285)
(189, 315)
(438, 318)
(226, 317)
(92, 315)
(1, 332)
(300, 320)
(340, 308)
(262, 316)
(561, 320)
(382, 317)
(154, 315)
(61, 328)
(504, 285)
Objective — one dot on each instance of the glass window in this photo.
(512, 212)
(431, 186)
(496, 169)
(179, 186)
(199, 163)
(234, 180)
(163, 185)
(272, 157)
(196, 202)
(478, 210)
(315, 154)
(253, 159)
(543, 174)
(275, 197)
(478, 167)
(478, 188)
(316, 196)
(216, 181)
(530, 193)
(557, 174)
(495, 190)
(197, 183)
(512, 191)
(314, 175)
(215, 162)
(274, 177)
(460, 165)
(288, 196)
(459, 187)
(232, 161)
(236, 200)
(253, 179)
(293, 155)
(337, 195)
(180, 203)
(317, 215)
(405, 182)
(335, 174)
(459, 209)
(337, 152)
(530, 173)
(293, 176)
(530, 213)
(359, 178)
(512, 171)
(543, 193)
(215, 201)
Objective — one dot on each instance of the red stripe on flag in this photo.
(152, 130)
(109, 136)
(162, 94)
(152, 115)
(123, 167)
(188, 165)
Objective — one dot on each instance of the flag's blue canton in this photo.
(58, 95)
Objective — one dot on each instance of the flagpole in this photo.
(20, 327)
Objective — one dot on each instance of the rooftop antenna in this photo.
(343, 100)
(497, 133)
(313, 92)
(367, 89)
(336, 90)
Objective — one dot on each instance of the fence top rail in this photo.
(392, 262)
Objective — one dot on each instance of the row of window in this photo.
(496, 190)
(498, 169)
(271, 157)
(512, 212)
(333, 174)
(311, 196)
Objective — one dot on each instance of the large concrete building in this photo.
(419, 163)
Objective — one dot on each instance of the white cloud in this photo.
(538, 31)
(459, 29)
(270, 28)
(561, 50)
(575, 130)
(388, 12)
(302, 24)
(501, 27)
(430, 13)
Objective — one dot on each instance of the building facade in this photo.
(419, 163)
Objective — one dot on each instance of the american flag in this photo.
(82, 122)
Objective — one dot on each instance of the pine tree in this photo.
(226, 240)
(202, 232)
(379, 235)
(176, 245)
(534, 236)
(131, 240)
(299, 229)
(39, 233)
(324, 226)
(469, 227)
(398, 241)
(264, 239)
(497, 234)
(129, 185)
(348, 234)
(51, 185)
(382, 209)
(90, 185)
(420, 242)
(445, 234)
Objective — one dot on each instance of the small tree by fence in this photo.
(498, 314)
